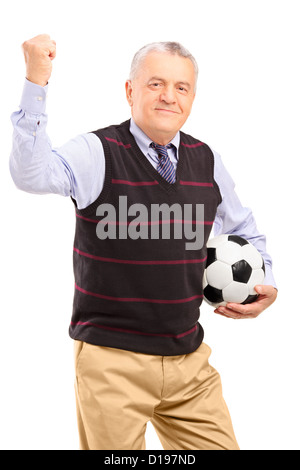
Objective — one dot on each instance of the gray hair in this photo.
(165, 47)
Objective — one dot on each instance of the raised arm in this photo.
(76, 168)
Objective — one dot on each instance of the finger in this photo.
(267, 295)
(266, 290)
(222, 313)
(52, 49)
(243, 309)
(253, 308)
(52, 54)
(232, 314)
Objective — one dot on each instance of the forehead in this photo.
(167, 66)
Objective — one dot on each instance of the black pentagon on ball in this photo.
(250, 299)
(213, 295)
(239, 240)
(241, 271)
(211, 256)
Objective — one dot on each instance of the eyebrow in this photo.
(187, 84)
(159, 79)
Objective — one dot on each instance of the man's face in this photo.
(161, 95)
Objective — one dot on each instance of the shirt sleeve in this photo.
(233, 218)
(75, 169)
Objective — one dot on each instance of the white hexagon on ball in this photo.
(217, 241)
(229, 252)
(256, 279)
(219, 275)
(252, 256)
(236, 292)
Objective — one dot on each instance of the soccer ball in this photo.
(233, 268)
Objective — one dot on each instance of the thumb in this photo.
(259, 289)
(265, 290)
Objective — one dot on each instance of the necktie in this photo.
(165, 166)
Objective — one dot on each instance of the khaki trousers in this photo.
(118, 392)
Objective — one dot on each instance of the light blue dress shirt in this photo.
(77, 168)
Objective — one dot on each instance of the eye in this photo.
(155, 85)
(182, 89)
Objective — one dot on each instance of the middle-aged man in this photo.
(139, 350)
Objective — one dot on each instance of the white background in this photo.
(247, 109)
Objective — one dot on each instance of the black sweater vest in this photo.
(140, 288)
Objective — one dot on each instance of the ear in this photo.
(128, 87)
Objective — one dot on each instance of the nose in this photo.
(168, 95)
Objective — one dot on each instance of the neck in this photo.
(159, 137)
(161, 140)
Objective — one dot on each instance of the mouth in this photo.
(163, 110)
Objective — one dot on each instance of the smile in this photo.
(166, 110)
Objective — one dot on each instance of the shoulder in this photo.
(188, 141)
(113, 130)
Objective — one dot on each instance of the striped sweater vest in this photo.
(140, 288)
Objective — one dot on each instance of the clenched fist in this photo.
(39, 53)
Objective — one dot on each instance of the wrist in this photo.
(36, 80)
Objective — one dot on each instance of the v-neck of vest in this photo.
(169, 187)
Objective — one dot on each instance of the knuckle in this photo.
(25, 45)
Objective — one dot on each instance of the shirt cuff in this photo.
(34, 98)
(269, 277)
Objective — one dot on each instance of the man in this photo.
(139, 350)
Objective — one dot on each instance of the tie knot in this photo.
(165, 167)
(162, 150)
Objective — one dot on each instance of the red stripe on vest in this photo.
(192, 146)
(123, 330)
(133, 183)
(195, 183)
(137, 299)
(126, 146)
(129, 261)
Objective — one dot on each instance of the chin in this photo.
(166, 124)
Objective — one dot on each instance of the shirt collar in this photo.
(144, 141)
